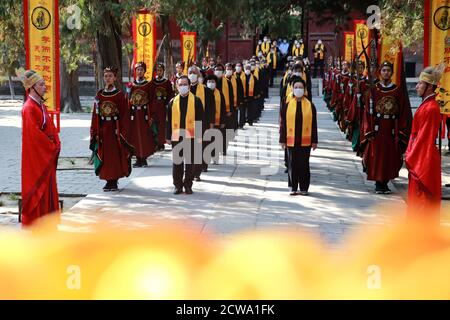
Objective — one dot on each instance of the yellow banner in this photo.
(42, 45)
(391, 50)
(349, 50)
(144, 34)
(361, 32)
(437, 45)
(188, 48)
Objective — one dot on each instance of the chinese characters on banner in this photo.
(349, 41)
(42, 47)
(144, 36)
(437, 45)
(391, 50)
(188, 48)
(361, 38)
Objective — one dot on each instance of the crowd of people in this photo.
(199, 110)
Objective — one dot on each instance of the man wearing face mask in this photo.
(319, 51)
(298, 49)
(207, 100)
(237, 93)
(298, 134)
(264, 78)
(184, 113)
(272, 59)
(422, 158)
(242, 88)
(253, 92)
(258, 49)
(225, 86)
(385, 131)
(219, 113)
(265, 47)
(40, 152)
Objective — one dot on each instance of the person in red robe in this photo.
(385, 132)
(161, 94)
(143, 132)
(40, 152)
(422, 157)
(109, 133)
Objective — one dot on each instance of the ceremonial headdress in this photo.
(432, 75)
(141, 64)
(29, 78)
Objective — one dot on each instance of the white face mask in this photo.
(299, 92)
(247, 71)
(265, 39)
(259, 42)
(298, 74)
(229, 73)
(193, 77)
(238, 69)
(253, 68)
(211, 85)
(218, 73)
(298, 45)
(183, 90)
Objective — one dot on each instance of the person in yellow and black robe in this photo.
(298, 134)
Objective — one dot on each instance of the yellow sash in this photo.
(234, 86)
(269, 59)
(306, 122)
(256, 73)
(200, 93)
(284, 78)
(289, 97)
(226, 93)
(190, 117)
(319, 48)
(244, 82)
(251, 86)
(218, 106)
(265, 47)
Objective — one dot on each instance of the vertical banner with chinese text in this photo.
(391, 50)
(362, 37)
(349, 50)
(144, 36)
(437, 45)
(188, 48)
(41, 25)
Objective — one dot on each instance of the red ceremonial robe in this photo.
(142, 114)
(423, 160)
(161, 93)
(109, 127)
(40, 152)
(386, 132)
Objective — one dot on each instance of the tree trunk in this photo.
(167, 46)
(109, 48)
(11, 87)
(70, 96)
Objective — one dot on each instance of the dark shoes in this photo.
(188, 190)
(144, 163)
(161, 147)
(178, 191)
(198, 179)
(293, 193)
(111, 186)
(138, 163)
(382, 188)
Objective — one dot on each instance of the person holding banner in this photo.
(184, 113)
(40, 152)
(298, 134)
(143, 130)
(422, 157)
(385, 131)
(109, 133)
(161, 93)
